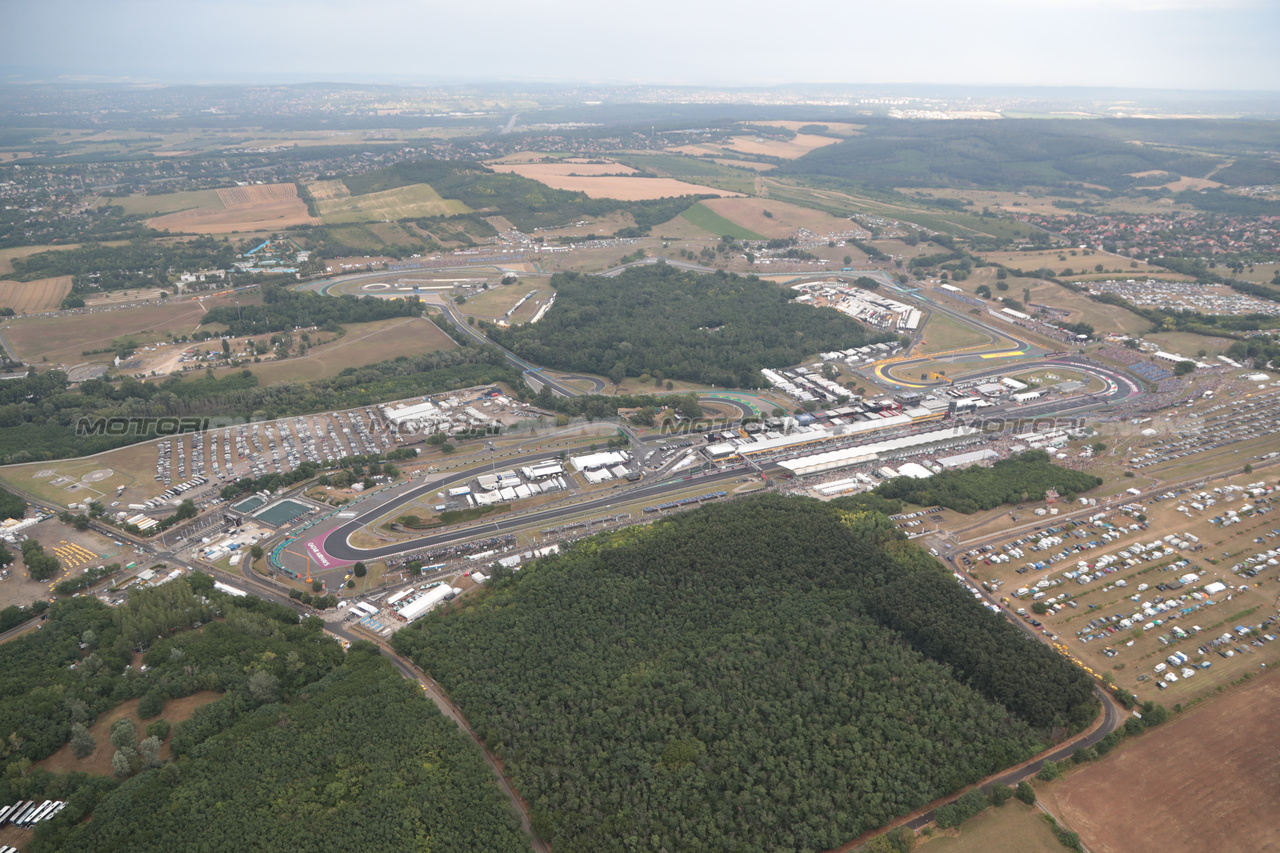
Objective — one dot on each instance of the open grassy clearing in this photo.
(608, 224)
(391, 232)
(1104, 318)
(414, 200)
(1012, 827)
(941, 333)
(1200, 782)
(843, 204)
(64, 339)
(31, 297)
(1189, 344)
(99, 761)
(357, 237)
(364, 343)
(777, 219)
(1260, 273)
(328, 190)
(1115, 265)
(153, 205)
(713, 223)
(132, 467)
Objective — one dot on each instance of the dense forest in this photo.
(771, 674)
(1008, 154)
(306, 749)
(527, 203)
(11, 506)
(285, 310)
(39, 413)
(1024, 477)
(714, 329)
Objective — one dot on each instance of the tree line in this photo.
(285, 310)
(1026, 476)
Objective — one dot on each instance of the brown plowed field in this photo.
(1208, 780)
(31, 297)
(253, 208)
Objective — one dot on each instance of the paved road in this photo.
(335, 542)
(1112, 719)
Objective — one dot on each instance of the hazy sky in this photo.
(1196, 44)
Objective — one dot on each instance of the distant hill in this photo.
(1012, 154)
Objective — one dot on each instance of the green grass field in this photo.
(942, 333)
(712, 222)
(415, 200)
(151, 205)
(364, 343)
(358, 237)
(1012, 827)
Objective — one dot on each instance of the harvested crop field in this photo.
(251, 208)
(31, 297)
(612, 184)
(800, 145)
(1204, 781)
(786, 219)
(326, 190)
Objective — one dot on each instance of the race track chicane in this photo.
(282, 513)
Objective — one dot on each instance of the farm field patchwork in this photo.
(410, 201)
(247, 208)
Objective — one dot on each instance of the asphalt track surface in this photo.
(336, 546)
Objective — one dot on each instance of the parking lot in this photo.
(1222, 424)
(254, 450)
(1172, 615)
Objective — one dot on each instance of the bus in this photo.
(24, 819)
(38, 815)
